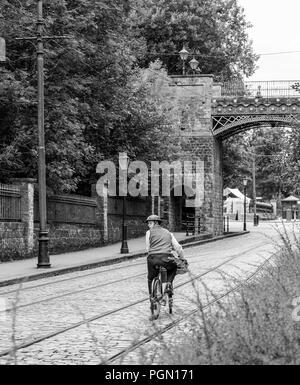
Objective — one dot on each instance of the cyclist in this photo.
(159, 244)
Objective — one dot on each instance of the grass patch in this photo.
(258, 325)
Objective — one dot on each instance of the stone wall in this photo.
(74, 223)
(13, 241)
(136, 227)
(137, 210)
(71, 237)
(17, 236)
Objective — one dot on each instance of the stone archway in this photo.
(206, 117)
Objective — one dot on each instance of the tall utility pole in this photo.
(43, 256)
(254, 186)
(245, 205)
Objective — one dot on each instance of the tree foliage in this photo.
(105, 92)
(97, 100)
(276, 152)
(214, 31)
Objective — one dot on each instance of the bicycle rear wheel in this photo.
(156, 295)
(170, 300)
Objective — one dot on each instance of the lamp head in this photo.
(123, 161)
(245, 181)
(184, 54)
(194, 64)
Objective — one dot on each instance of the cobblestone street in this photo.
(106, 309)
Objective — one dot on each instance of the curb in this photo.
(113, 261)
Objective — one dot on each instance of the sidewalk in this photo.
(26, 270)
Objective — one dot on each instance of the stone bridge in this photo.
(208, 113)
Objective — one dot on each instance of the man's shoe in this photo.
(169, 289)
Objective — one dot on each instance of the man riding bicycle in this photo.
(159, 244)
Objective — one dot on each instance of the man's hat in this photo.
(154, 218)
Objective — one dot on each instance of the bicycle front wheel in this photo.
(156, 297)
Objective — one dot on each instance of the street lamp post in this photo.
(123, 162)
(124, 247)
(245, 181)
(254, 189)
(43, 256)
(184, 54)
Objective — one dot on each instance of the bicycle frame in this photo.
(158, 298)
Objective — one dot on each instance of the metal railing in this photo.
(10, 203)
(263, 89)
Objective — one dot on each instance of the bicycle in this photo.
(158, 298)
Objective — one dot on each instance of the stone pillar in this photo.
(192, 99)
(274, 204)
(27, 207)
(289, 215)
(101, 212)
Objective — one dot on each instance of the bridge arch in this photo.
(226, 127)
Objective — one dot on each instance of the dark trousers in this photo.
(165, 260)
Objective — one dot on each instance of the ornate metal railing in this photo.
(10, 203)
(264, 89)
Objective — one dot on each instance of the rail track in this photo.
(98, 286)
(50, 335)
(76, 277)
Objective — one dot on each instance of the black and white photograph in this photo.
(149, 185)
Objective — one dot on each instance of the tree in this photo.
(215, 31)
(97, 100)
(271, 146)
(292, 166)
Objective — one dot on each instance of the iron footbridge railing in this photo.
(262, 89)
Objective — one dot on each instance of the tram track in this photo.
(77, 277)
(113, 311)
(98, 286)
(67, 279)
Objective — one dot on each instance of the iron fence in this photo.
(263, 89)
(10, 203)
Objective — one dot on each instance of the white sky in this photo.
(276, 28)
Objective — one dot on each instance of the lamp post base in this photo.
(43, 257)
(124, 247)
